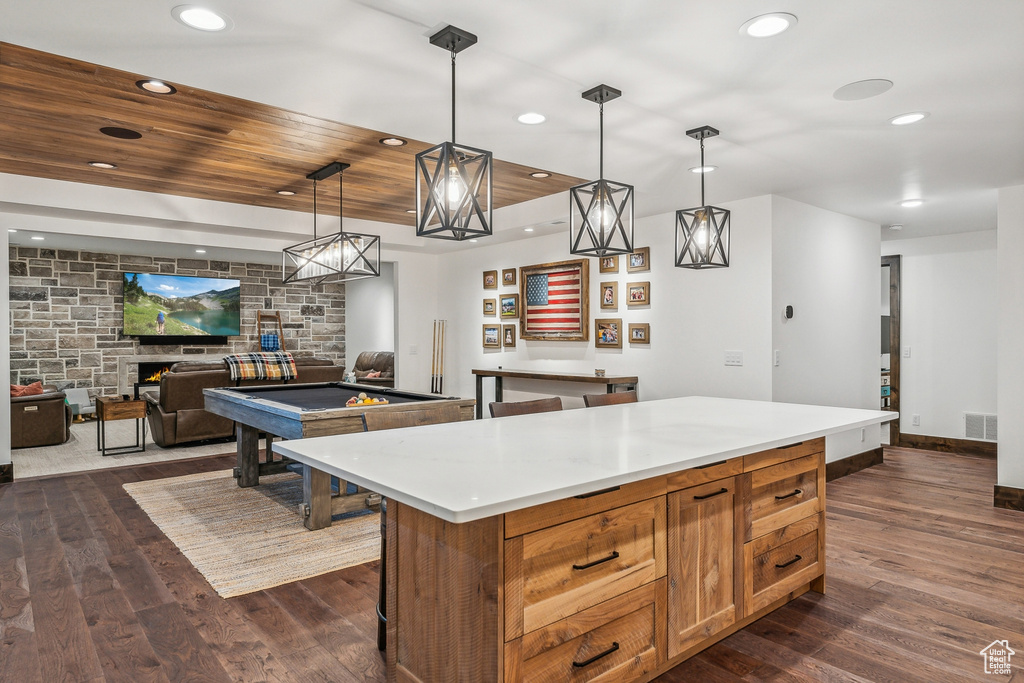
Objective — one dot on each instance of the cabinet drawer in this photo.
(782, 561)
(557, 572)
(782, 494)
(537, 517)
(618, 640)
(774, 456)
(696, 476)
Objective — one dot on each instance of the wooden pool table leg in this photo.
(248, 448)
(316, 498)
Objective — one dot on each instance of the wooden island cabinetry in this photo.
(616, 585)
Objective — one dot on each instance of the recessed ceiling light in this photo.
(410, 210)
(703, 169)
(862, 90)
(12, 230)
(200, 251)
(767, 25)
(285, 193)
(531, 118)
(907, 119)
(38, 238)
(527, 229)
(540, 174)
(102, 164)
(474, 240)
(392, 142)
(911, 203)
(200, 18)
(896, 226)
(121, 133)
(151, 85)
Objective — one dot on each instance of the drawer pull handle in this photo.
(598, 493)
(580, 665)
(786, 564)
(789, 495)
(710, 464)
(711, 495)
(615, 554)
(792, 445)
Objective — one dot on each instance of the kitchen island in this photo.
(612, 542)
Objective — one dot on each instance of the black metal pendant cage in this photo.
(341, 257)
(454, 188)
(702, 237)
(601, 218)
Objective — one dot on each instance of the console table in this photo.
(610, 542)
(610, 382)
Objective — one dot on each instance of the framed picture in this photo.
(508, 276)
(638, 293)
(509, 305)
(608, 333)
(639, 333)
(492, 336)
(508, 336)
(556, 301)
(639, 260)
(610, 295)
(490, 307)
(490, 279)
(609, 264)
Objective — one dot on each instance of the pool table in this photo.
(296, 411)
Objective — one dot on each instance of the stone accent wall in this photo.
(66, 314)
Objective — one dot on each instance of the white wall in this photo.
(695, 316)
(826, 265)
(5, 349)
(370, 314)
(416, 288)
(1010, 339)
(949, 318)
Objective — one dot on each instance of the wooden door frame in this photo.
(895, 350)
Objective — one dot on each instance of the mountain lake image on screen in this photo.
(178, 305)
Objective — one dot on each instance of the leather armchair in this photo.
(381, 361)
(40, 420)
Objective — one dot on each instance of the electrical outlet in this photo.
(906, 352)
(915, 421)
(413, 350)
(777, 360)
(734, 358)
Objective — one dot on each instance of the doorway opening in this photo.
(890, 347)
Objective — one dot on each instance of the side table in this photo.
(117, 408)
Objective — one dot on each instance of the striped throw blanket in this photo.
(266, 365)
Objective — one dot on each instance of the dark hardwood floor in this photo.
(922, 574)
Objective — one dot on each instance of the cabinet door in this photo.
(702, 568)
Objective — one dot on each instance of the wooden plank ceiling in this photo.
(201, 144)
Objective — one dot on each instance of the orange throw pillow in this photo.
(373, 373)
(33, 389)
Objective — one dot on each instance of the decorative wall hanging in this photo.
(601, 212)
(555, 301)
(508, 276)
(509, 305)
(609, 264)
(508, 335)
(492, 340)
(490, 279)
(639, 333)
(639, 260)
(490, 307)
(610, 295)
(702, 234)
(453, 182)
(342, 257)
(638, 293)
(608, 333)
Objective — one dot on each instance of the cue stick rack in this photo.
(437, 358)
(265, 324)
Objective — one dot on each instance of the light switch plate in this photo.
(906, 352)
(777, 358)
(734, 358)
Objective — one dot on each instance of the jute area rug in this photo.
(245, 540)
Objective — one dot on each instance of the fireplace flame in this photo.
(155, 377)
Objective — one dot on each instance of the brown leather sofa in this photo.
(40, 420)
(177, 416)
(380, 361)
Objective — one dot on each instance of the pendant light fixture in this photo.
(343, 257)
(601, 212)
(453, 182)
(702, 234)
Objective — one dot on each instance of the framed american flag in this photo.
(555, 301)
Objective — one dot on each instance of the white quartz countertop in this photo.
(463, 471)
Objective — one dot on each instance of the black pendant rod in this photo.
(601, 174)
(341, 203)
(453, 94)
(703, 172)
(314, 208)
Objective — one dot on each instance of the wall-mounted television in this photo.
(175, 309)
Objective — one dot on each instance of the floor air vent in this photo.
(980, 426)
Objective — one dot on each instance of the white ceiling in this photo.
(679, 64)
